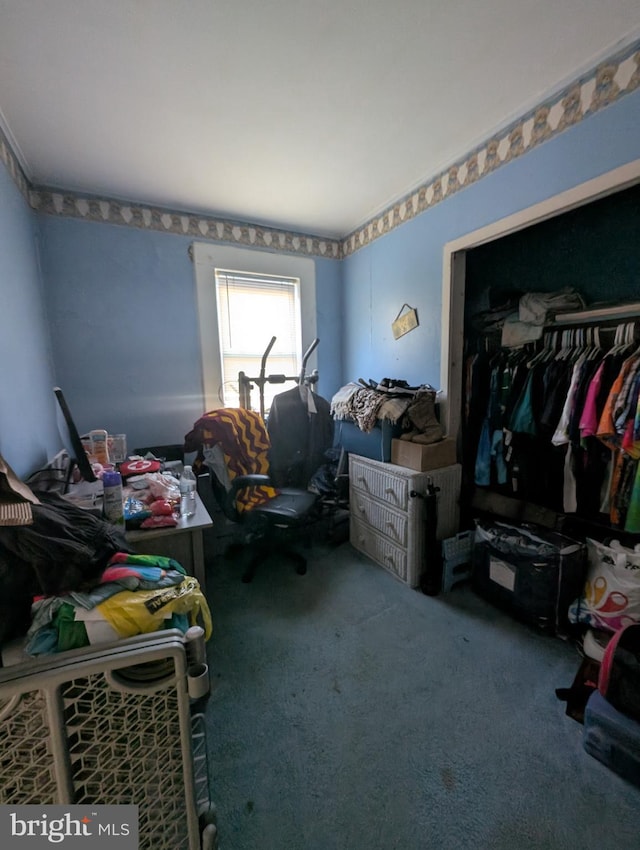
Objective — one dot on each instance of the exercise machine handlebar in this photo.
(245, 383)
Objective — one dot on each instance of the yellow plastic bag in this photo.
(134, 612)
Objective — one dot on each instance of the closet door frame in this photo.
(454, 275)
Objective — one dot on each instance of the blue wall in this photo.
(119, 303)
(329, 325)
(406, 264)
(122, 307)
(28, 424)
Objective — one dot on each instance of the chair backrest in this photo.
(244, 442)
(224, 496)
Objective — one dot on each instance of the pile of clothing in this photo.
(69, 578)
(367, 402)
(521, 317)
(134, 594)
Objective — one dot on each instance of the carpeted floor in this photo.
(352, 713)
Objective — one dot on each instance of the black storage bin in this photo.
(529, 571)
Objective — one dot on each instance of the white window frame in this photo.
(208, 257)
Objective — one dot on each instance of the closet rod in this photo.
(598, 314)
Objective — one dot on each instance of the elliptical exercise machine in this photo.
(246, 384)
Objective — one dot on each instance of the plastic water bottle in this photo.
(187, 492)
(112, 499)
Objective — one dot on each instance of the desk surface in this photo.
(197, 522)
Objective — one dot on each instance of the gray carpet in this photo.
(351, 712)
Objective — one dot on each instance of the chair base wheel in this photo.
(301, 563)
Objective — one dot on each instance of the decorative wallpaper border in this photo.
(68, 204)
(600, 87)
(10, 161)
(603, 85)
(52, 202)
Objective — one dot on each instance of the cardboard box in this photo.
(423, 458)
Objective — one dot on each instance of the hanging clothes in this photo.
(300, 428)
(562, 427)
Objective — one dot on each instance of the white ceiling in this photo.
(310, 115)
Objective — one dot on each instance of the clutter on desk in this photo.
(135, 511)
(112, 496)
(97, 448)
(151, 500)
(138, 494)
(188, 487)
(104, 448)
(139, 466)
(141, 494)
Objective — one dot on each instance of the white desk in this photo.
(183, 542)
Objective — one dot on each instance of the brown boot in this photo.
(422, 415)
(433, 434)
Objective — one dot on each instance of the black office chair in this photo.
(233, 444)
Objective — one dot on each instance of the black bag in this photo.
(66, 547)
(619, 680)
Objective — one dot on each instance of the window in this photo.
(251, 310)
(279, 274)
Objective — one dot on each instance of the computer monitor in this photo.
(74, 443)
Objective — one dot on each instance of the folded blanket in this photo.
(393, 409)
(364, 406)
(340, 401)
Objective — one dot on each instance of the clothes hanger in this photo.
(549, 342)
(565, 350)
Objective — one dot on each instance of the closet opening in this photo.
(585, 241)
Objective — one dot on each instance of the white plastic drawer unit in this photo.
(388, 524)
(376, 514)
(379, 548)
(109, 725)
(376, 479)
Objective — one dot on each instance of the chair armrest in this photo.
(253, 480)
(241, 482)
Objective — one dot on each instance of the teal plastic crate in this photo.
(456, 559)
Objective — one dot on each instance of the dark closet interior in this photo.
(593, 250)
